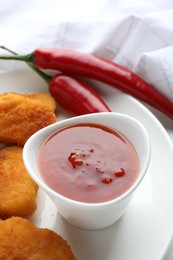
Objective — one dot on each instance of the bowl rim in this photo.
(71, 121)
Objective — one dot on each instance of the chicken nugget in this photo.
(44, 98)
(21, 115)
(21, 240)
(17, 189)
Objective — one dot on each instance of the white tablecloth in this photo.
(137, 34)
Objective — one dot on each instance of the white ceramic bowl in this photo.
(91, 215)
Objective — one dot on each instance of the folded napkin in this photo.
(135, 34)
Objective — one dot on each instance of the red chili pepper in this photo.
(76, 96)
(71, 93)
(87, 65)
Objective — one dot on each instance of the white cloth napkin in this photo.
(137, 34)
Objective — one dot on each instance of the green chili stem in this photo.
(5, 48)
(26, 58)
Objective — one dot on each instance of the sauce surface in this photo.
(88, 163)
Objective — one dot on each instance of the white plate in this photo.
(145, 231)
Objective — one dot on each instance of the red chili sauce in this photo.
(89, 163)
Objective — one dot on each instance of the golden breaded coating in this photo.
(17, 189)
(21, 115)
(44, 98)
(21, 240)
